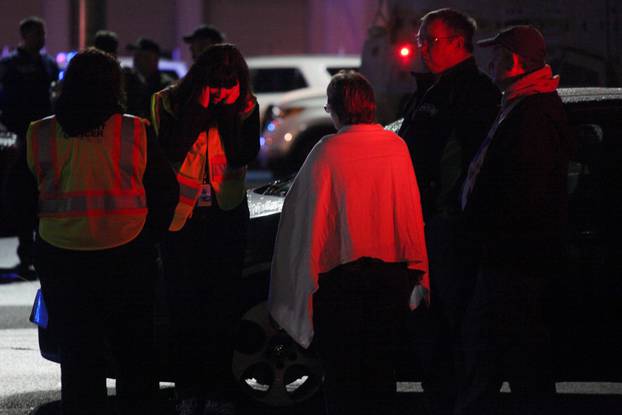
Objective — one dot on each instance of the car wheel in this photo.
(269, 366)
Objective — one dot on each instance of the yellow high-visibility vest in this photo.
(227, 182)
(91, 193)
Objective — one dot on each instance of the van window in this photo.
(267, 80)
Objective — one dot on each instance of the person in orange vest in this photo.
(208, 126)
(104, 193)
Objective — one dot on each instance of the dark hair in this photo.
(28, 24)
(219, 65)
(351, 97)
(91, 92)
(461, 23)
(107, 41)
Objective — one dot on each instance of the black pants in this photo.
(101, 305)
(357, 311)
(435, 330)
(25, 246)
(203, 270)
(505, 335)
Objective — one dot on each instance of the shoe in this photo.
(216, 407)
(191, 406)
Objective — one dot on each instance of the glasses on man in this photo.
(431, 41)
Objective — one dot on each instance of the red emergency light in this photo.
(405, 51)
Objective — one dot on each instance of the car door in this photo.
(585, 304)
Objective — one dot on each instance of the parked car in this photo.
(291, 91)
(583, 310)
(274, 76)
(291, 129)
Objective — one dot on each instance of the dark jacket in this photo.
(443, 128)
(139, 90)
(161, 189)
(25, 90)
(518, 206)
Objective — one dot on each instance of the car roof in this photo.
(589, 94)
(575, 99)
(293, 60)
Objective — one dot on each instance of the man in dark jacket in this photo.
(443, 128)
(515, 202)
(145, 79)
(25, 80)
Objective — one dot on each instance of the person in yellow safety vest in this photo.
(104, 193)
(208, 126)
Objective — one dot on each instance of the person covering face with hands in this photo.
(219, 95)
(208, 125)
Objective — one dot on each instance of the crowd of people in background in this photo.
(450, 231)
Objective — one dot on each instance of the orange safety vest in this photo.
(227, 182)
(91, 193)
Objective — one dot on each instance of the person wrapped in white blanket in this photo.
(350, 259)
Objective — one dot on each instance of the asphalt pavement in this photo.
(30, 384)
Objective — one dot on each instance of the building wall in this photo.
(338, 26)
(154, 19)
(264, 27)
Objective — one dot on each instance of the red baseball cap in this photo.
(524, 40)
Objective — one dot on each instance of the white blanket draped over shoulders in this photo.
(355, 196)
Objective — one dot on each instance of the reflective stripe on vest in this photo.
(228, 183)
(91, 194)
(190, 177)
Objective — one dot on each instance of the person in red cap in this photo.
(515, 203)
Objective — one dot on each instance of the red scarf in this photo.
(537, 82)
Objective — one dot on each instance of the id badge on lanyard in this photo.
(205, 197)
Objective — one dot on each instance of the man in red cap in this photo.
(515, 203)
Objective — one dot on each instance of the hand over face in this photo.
(219, 95)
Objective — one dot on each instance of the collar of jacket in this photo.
(465, 68)
(540, 81)
(24, 54)
(362, 127)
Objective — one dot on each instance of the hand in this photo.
(204, 97)
(225, 96)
